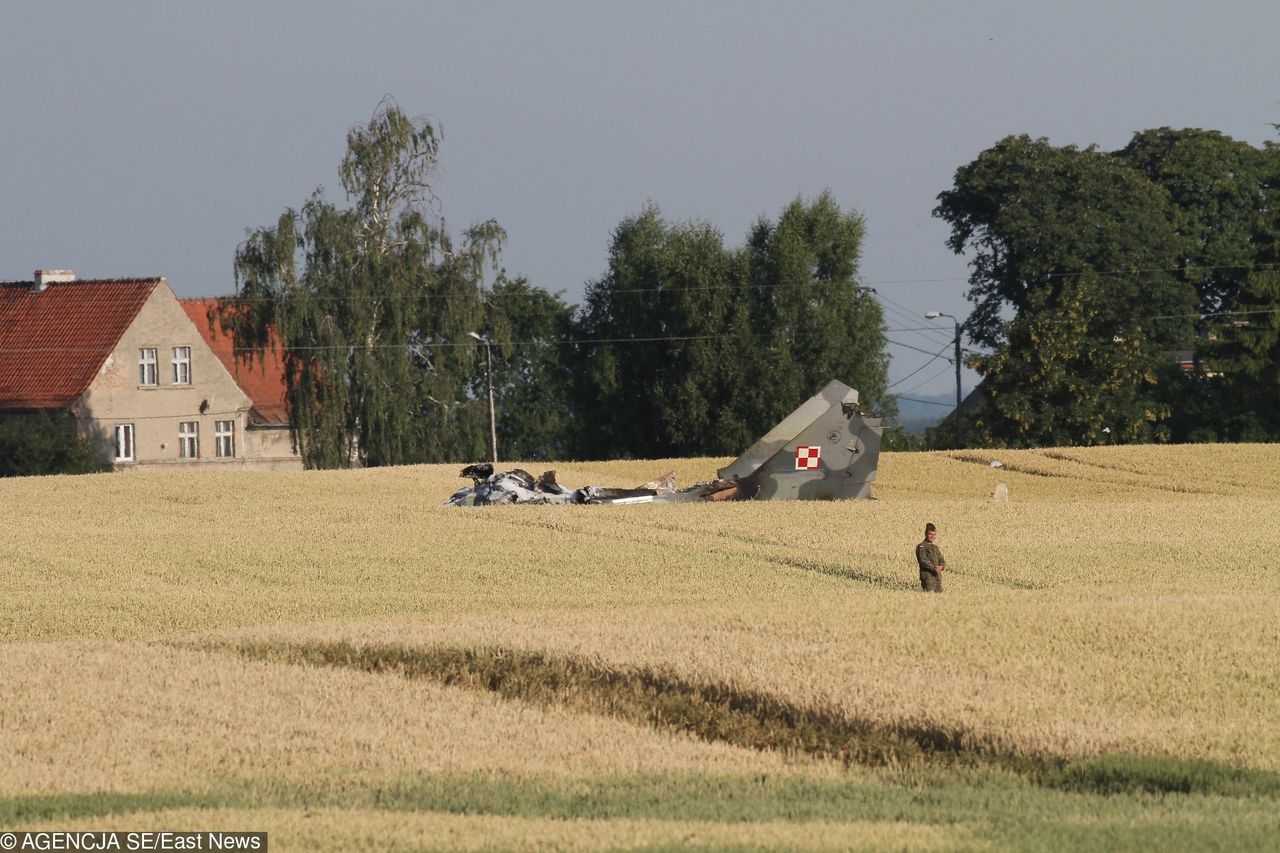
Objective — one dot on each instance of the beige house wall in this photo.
(116, 396)
(271, 447)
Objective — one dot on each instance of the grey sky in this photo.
(144, 138)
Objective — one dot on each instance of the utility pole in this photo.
(933, 315)
(488, 373)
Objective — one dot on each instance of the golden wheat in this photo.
(1122, 601)
(135, 717)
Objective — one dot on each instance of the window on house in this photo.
(125, 451)
(224, 439)
(188, 440)
(147, 366)
(182, 365)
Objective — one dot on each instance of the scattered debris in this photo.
(826, 449)
(520, 487)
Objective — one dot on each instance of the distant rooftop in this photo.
(56, 331)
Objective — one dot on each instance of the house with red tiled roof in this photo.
(261, 378)
(126, 359)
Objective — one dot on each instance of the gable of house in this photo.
(183, 376)
(53, 342)
(261, 378)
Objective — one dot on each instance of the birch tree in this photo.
(371, 304)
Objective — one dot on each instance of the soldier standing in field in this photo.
(931, 561)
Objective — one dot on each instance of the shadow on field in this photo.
(756, 720)
(712, 712)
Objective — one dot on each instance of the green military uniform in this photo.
(929, 556)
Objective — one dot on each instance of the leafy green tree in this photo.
(530, 330)
(1226, 196)
(813, 322)
(372, 304)
(44, 442)
(1068, 376)
(1049, 226)
(663, 337)
(1231, 395)
(1036, 216)
(1221, 191)
(693, 348)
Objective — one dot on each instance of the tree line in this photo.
(1118, 296)
(683, 346)
(1123, 296)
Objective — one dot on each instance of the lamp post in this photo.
(933, 315)
(488, 372)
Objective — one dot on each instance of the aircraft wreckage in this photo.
(827, 449)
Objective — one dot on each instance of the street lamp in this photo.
(488, 372)
(933, 315)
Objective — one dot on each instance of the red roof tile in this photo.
(52, 343)
(263, 380)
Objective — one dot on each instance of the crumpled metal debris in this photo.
(517, 486)
(824, 450)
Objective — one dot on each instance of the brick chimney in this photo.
(44, 278)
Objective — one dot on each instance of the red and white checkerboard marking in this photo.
(807, 458)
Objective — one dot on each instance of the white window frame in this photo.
(147, 374)
(224, 439)
(126, 446)
(182, 365)
(189, 440)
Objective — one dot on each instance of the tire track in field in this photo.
(844, 572)
(1142, 472)
(865, 578)
(973, 459)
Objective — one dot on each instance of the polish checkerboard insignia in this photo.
(807, 457)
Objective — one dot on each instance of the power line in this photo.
(912, 317)
(408, 345)
(545, 342)
(889, 306)
(566, 341)
(925, 335)
(1187, 269)
(936, 356)
(919, 349)
(926, 402)
(903, 317)
(1137, 271)
(1210, 314)
(926, 381)
(892, 281)
(272, 297)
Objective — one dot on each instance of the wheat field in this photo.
(262, 651)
